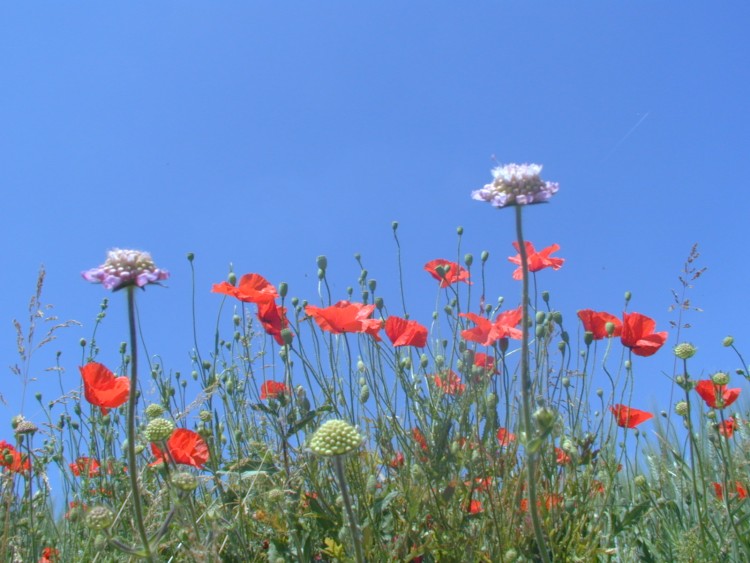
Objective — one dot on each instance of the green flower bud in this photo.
(588, 337)
(283, 289)
(335, 437)
(720, 378)
(681, 408)
(557, 317)
(685, 350)
(484, 255)
(232, 278)
(154, 410)
(610, 328)
(82, 342)
(99, 518)
(158, 430)
(468, 260)
(190, 256)
(424, 361)
(394, 225)
(364, 394)
(321, 273)
(459, 231)
(322, 262)
(540, 317)
(545, 296)
(728, 341)
(640, 481)
(185, 481)
(372, 284)
(287, 336)
(628, 295)
(378, 303)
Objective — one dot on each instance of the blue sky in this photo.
(263, 135)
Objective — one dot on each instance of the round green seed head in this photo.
(685, 350)
(681, 408)
(185, 481)
(159, 430)
(154, 410)
(99, 518)
(720, 378)
(728, 341)
(335, 437)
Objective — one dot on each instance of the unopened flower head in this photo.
(159, 429)
(335, 437)
(720, 378)
(126, 267)
(685, 350)
(516, 184)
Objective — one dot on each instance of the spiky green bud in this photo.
(99, 518)
(685, 350)
(335, 437)
(720, 378)
(158, 430)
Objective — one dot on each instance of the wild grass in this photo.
(441, 472)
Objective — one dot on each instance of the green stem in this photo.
(132, 471)
(338, 467)
(526, 392)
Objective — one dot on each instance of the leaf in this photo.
(305, 420)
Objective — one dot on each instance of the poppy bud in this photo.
(628, 364)
(406, 363)
(468, 260)
(565, 381)
(364, 394)
(394, 225)
(424, 361)
(372, 284)
(564, 336)
(728, 341)
(379, 303)
(600, 393)
(283, 289)
(610, 328)
(487, 308)
(459, 231)
(349, 291)
(82, 342)
(322, 262)
(38, 397)
(287, 336)
(628, 295)
(588, 337)
(539, 331)
(321, 273)
(540, 317)
(640, 481)
(123, 347)
(190, 256)
(439, 361)
(232, 278)
(503, 345)
(484, 256)
(562, 345)
(545, 296)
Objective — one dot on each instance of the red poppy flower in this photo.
(451, 385)
(102, 389)
(273, 318)
(596, 323)
(504, 437)
(452, 272)
(49, 555)
(738, 487)
(344, 317)
(397, 461)
(487, 333)
(11, 458)
(561, 457)
(487, 362)
(536, 260)
(253, 288)
(419, 438)
(475, 507)
(638, 334)
(85, 466)
(727, 427)
(628, 417)
(405, 333)
(185, 447)
(272, 389)
(716, 396)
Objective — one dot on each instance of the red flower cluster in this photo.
(402, 332)
(716, 396)
(504, 437)
(102, 389)
(12, 459)
(636, 331)
(727, 427)
(536, 260)
(49, 555)
(185, 447)
(738, 488)
(272, 389)
(254, 288)
(451, 385)
(452, 272)
(344, 317)
(628, 417)
(487, 333)
(87, 466)
(561, 457)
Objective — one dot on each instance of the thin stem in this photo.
(133, 472)
(338, 467)
(526, 391)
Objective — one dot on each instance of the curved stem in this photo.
(133, 472)
(526, 392)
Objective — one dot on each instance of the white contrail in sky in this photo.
(630, 132)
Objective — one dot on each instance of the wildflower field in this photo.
(340, 428)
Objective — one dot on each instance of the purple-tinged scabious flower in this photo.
(126, 267)
(516, 184)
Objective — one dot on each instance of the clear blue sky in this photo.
(265, 134)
